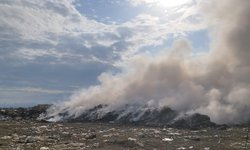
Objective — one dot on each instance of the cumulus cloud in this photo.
(42, 28)
(215, 84)
(49, 44)
(33, 29)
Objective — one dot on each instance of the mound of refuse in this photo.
(137, 115)
(30, 113)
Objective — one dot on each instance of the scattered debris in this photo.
(6, 137)
(90, 136)
(193, 138)
(25, 134)
(32, 139)
(181, 148)
(44, 148)
(131, 139)
(31, 113)
(167, 139)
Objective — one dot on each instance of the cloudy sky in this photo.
(51, 48)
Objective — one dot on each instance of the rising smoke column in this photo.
(216, 84)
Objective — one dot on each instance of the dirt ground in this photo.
(27, 135)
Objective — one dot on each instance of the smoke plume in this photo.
(216, 84)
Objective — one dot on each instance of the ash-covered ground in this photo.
(20, 130)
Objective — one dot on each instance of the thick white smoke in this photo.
(216, 84)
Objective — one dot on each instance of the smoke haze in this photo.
(216, 84)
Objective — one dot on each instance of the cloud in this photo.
(154, 30)
(159, 3)
(27, 96)
(55, 28)
(44, 29)
(33, 90)
(50, 44)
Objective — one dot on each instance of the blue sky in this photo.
(49, 49)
